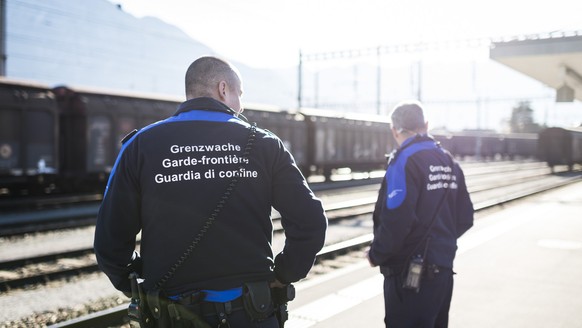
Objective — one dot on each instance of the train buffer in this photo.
(517, 267)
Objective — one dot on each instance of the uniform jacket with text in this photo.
(168, 179)
(423, 204)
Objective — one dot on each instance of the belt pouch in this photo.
(138, 310)
(153, 297)
(158, 307)
(257, 300)
(181, 317)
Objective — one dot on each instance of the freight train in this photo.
(561, 146)
(487, 145)
(64, 139)
(61, 139)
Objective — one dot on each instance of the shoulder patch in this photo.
(396, 174)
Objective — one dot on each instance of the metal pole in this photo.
(355, 87)
(2, 38)
(379, 83)
(419, 90)
(300, 74)
(477, 100)
(316, 90)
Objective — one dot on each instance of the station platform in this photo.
(517, 267)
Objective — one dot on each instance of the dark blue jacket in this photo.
(167, 180)
(418, 175)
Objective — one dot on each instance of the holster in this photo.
(151, 309)
(181, 317)
(167, 313)
(138, 311)
(155, 305)
(281, 296)
(257, 300)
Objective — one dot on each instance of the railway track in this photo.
(521, 183)
(339, 205)
(23, 272)
(38, 214)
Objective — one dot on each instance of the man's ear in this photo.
(394, 133)
(394, 130)
(222, 90)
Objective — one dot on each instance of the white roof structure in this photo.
(554, 59)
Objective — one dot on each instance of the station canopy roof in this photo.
(554, 59)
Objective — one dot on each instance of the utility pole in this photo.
(300, 71)
(419, 87)
(316, 90)
(379, 82)
(2, 37)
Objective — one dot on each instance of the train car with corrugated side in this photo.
(93, 122)
(356, 141)
(466, 144)
(561, 146)
(288, 125)
(99, 119)
(488, 145)
(520, 146)
(28, 138)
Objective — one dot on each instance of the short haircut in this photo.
(408, 115)
(205, 73)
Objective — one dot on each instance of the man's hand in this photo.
(276, 284)
(369, 259)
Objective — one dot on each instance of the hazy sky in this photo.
(270, 33)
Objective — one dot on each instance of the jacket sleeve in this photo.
(465, 211)
(380, 203)
(118, 224)
(393, 224)
(302, 217)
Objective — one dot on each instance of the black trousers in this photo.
(427, 308)
(233, 314)
(240, 319)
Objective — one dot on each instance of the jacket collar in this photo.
(204, 103)
(409, 142)
(416, 138)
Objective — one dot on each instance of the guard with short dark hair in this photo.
(200, 186)
(423, 207)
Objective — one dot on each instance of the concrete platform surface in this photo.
(518, 267)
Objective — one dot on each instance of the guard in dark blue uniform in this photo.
(422, 208)
(206, 162)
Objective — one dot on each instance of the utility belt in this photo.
(430, 270)
(189, 310)
(209, 309)
(411, 276)
(211, 303)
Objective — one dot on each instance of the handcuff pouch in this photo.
(257, 300)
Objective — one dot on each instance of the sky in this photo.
(271, 33)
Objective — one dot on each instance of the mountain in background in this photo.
(94, 43)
